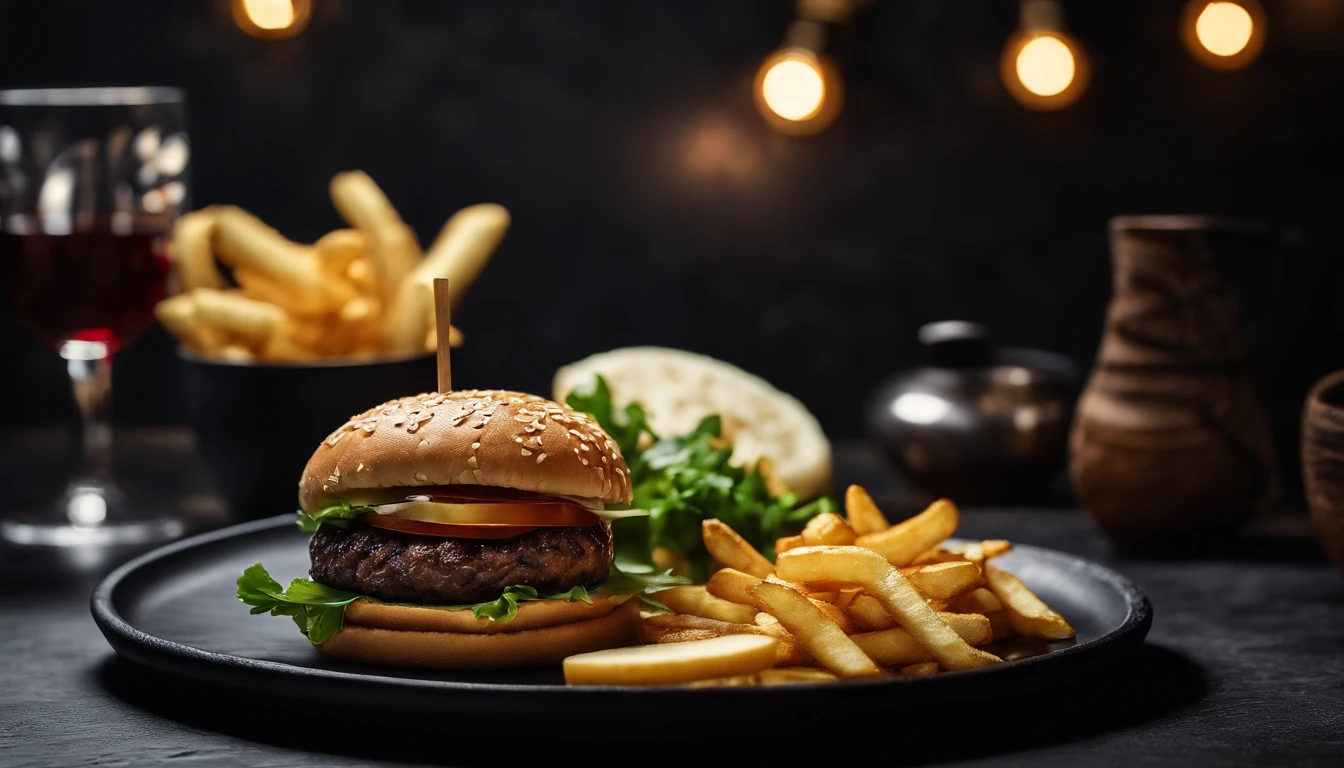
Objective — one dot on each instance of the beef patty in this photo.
(406, 568)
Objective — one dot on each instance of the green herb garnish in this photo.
(339, 514)
(318, 609)
(684, 480)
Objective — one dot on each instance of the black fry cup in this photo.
(257, 425)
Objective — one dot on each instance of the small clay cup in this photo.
(1323, 462)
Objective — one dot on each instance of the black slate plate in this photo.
(174, 609)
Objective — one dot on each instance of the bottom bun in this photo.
(499, 650)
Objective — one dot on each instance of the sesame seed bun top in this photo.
(469, 437)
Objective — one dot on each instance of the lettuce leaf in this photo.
(505, 608)
(317, 609)
(339, 514)
(684, 480)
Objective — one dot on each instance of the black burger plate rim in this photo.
(173, 610)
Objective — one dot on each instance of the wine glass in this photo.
(91, 180)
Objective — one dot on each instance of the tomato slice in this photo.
(469, 531)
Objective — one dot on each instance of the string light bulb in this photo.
(1042, 66)
(1223, 35)
(272, 19)
(798, 87)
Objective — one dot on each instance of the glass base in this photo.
(87, 515)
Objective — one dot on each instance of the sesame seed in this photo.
(477, 473)
(585, 461)
(583, 446)
(526, 452)
(541, 457)
(475, 446)
(471, 462)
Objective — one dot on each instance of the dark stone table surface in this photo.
(1244, 666)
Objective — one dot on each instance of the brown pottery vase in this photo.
(1170, 445)
(1323, 463)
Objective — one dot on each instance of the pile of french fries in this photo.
(850, 596)
(362, 292)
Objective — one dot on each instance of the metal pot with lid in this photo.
(978, 423)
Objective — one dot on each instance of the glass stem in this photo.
(90, 366)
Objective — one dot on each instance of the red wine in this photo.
(93, 285)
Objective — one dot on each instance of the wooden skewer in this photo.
(443, 329)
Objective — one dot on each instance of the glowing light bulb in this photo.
(270, 14)
(1045, 65)
(272, 19)
(794, 88)
(1224, 29)
(1044, 69)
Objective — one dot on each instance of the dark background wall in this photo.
(653, 205)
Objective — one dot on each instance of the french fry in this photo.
(863, 515)
(836, 615)
(1027, 613)
(896, 647)
(790, 651)
(942, 581)
(975, 552)
(893, 590)
(979, 600)
(732, 585)
(392, 244)
(234, 353)
(696, 601)
(360, 274)
(359, 310)
(406, 325)
(922, 669)
(869, 614)
(903, 542)
(464, 246)
(788, 542)
(822, 638)
(262, 287)
(843, 597)
(178, 316)
(190, 248)
(243, 241)
(730, 549)
(827, 529)
(678, 628)
(673, 663)
(788, 675)
(233, 312)
(339, 248)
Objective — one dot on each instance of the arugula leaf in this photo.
(684, 480)
(339, 514)
(505, 608)
(317, 609)
(625, 427)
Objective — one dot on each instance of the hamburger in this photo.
(460, 530)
